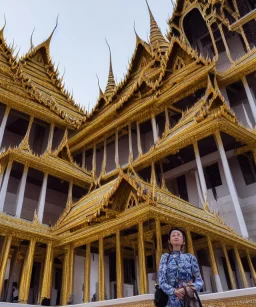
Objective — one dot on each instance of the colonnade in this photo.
(230, 182)
(69, 258)
(4, 181)
(26, 272)
(141, 254)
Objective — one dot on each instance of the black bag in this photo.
(161, 298)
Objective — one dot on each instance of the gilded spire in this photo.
(156, 38)
(110, 88)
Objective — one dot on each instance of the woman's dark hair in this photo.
(184, 238)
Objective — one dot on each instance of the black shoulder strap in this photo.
(198, 299)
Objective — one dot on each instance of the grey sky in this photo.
(79, 40)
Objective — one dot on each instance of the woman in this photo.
(178, 269)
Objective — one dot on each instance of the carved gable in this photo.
(132, 201)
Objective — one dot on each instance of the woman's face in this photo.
(176, 238)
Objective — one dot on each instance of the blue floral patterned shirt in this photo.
(180, 268)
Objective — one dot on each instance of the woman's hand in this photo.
(179, 293)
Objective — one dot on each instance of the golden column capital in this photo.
(230, 272)
(47, 274)
(101, 280)
(241, 268)
(4, 259)
(119, 267)
(26, 272)
(251, 265)
(87, 271)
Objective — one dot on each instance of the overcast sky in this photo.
(78, 44)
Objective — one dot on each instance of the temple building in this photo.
(87, 198)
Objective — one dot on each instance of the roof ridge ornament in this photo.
(2, 30)
(111, 85)
(100, 90)
(48, 41)
(31, 39)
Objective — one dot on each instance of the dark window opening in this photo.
(182, 187)
(247, 166)
(212, 176)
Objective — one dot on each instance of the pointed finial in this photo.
(31, 39)
(138, 39)
(156, 38)
(2, 30)
(100, 90)
(110, 88)
(47, 42)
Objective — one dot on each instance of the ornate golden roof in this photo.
(108, 205)
(49, 163)
(146, 85)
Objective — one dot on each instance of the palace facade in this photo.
(87, 198)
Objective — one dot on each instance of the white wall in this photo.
(52, 210)
(79, 277)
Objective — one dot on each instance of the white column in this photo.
(50, 137)
(200, 194)
(250, 97)
(116, 150)
(5, 185)
(70, 194)
(3, 124)
(41, 203)
(231, 186)
(94, 159)
(21, 191)
(200, 172)
(130, 143)
(154, 128)
(138, 138)
(83, 158)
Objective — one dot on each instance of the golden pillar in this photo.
(87, 272)
(65, 278)
(4, 259)
(190, 243)
(47, 275)
(230, 272)
(142, 261)
(241, 268)
(159, 247)
(253, 273)
(71, 270)
(119, 267)
(101, 271)
(26, 272)
(214, 266)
